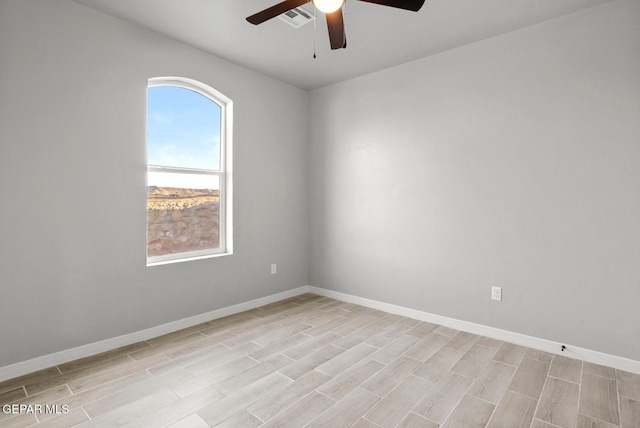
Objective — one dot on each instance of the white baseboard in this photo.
(35, 364)
(571, 351)
(39, 363)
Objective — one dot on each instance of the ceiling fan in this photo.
(333, 12)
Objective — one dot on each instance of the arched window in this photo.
(188, 171)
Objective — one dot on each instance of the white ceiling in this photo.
(378, 36)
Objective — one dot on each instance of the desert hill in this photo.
(173, 198)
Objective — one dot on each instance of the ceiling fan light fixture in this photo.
(328, 6)
(333, 11)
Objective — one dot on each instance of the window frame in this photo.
(225, 223)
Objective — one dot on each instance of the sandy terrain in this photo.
(171, 198)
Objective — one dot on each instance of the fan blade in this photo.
(335, 23)
(413, 5)
(274, 11)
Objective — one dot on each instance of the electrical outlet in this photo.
(274, 269)
(496, 293)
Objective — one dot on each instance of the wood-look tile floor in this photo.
(317, 362)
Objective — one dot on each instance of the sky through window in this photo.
(183, 129)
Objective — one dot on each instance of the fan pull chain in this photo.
(314, 31)
(344, 14)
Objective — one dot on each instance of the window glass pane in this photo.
(183, 128)
(183, 213)
(176, 179)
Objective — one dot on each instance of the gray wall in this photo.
(512, 162)
(72, 182)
